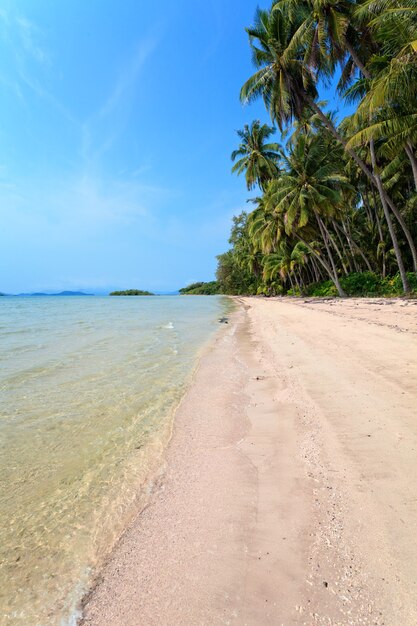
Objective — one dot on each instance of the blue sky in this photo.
(117, 124)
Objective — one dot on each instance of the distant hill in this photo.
(72, 293)
(61, 293)
(131, 292)
(201, 289)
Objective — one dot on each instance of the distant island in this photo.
(201, 289)
(61, 293)
(38, 294)
(131, 292)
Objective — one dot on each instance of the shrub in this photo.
(365, 284)
(322, 290)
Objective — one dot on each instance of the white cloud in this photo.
(108, 115)
(30, 35)
(85, 200)
(127, 76)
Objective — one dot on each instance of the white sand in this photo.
(289, 493)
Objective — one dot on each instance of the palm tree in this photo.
(352, 124)
(265, 226)
(259, 160)
(287, 83)
(394, 88)
(309, 193)
(283, 79)
(331, 33)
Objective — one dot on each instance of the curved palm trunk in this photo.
(297, 282)
(352, 244)
(357, 60)
(332, 241)
(397, 250)
(381, 235)
(365, 200)
(325, 265)
(315, 270)
(342, 245)
(364, 168)
(403, 225)
(325, 236)
(331, 128)
(410, 153)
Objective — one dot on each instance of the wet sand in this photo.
(289, 489)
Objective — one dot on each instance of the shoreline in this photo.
(149, 484)
(174, 457)
(274, 505)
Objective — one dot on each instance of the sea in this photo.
(88, 391)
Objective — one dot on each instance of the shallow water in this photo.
(87, 391)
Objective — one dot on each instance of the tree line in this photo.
(335, 206)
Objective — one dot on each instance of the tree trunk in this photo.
(297, 281)
(352, 243)
(403, 225)
(397, 250)
(342, 245)
(345, 232)
(331, 128)
(322, 262)
(357, 60)
(329, 254)
(365, 200)
(410, 153)
(315, 270)
(331, 240)
(381, 236)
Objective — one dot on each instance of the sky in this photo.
(117, 124)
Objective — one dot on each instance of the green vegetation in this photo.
(363, 284)
(131, 292)
(336, 210)
(201, 289)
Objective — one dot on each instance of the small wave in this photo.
(169, 326)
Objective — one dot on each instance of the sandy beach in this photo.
(288, 493)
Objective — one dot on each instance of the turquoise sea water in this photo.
(87, 391)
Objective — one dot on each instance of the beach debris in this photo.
(224, 320)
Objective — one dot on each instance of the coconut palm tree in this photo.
(331, 34)
(259, 160)
(309, 193)
(287, 83)
(265, 225)
(393, 92)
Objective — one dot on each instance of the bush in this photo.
(270, 290)
(294, 292)
(392, 285)
(362, 284)
(322, 290)
(366, 284)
